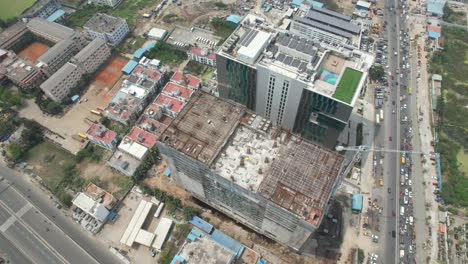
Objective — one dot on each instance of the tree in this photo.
(15, 152)
(360, 255)
(376, 73)
(14, 100)
(53, 107)
(104, 121)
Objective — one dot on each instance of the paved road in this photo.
(391, 129)
(32, 230)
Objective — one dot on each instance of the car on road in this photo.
(410, 182)
(406, 191)
(389, 138)
(410, 194)
(389, 190)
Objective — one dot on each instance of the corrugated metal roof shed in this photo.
(128, 68)
(234, 19)
(357, 203)
(227, 242)
(436, 7)
(202, 224)
(56, 15)
(139, 53)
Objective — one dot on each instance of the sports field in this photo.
(34, 51)
(111, 73)
(347, 85)
(11, 9)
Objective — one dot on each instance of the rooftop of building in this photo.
(53, 29)
(90, 206)
(103, 23)
(204, 250)
(151, 125)
(97, 193)
(245, 149)
(175, 90)
(186, 79)
(124, 162)
(147, 73)
(202, 53)
(169, 103)
(123, 105)
(17, 68)
(89, 50)
(62, 73)
(58, 49)
(101, 133)
(11, 32)
(203, 127)
(142, 137)
(32, 11)
(133, 147)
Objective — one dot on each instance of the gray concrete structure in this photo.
(111, 3)
(59, 85)
(61, 53)
(111, 29)
(42, 9)
(92, 56)
(281, 190)
(49, 30)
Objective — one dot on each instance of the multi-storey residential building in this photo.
(49, 30)
(111, 3)
(111, 29)
(91, 57)
(291, 80)
(103, 137)
(61, 53)
(42, 9)
(202, 56)
(59, 85)
(323, 25)
(236, 162)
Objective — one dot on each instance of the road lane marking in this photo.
(24, 210)
(7, 224)
(34, 233)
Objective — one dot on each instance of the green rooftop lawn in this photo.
(12, 9)
(347, 85)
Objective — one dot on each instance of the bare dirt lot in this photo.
(34, 51)
(108, 76)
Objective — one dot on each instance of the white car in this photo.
(405, 199)
(406, 191)
(410, 194)
(406, 176)
(404, 106)
(410, 182)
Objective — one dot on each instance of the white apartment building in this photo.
(111, 29)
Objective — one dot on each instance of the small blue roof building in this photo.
(315, 4)
(128, 68)
(139, 53)
(56, 15)
(234, 19)
(296, 3)
(356, 205)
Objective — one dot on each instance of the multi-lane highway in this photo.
(32, 230)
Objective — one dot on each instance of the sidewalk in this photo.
(425, 136)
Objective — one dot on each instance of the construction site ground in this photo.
(33, 51)
(75, 119)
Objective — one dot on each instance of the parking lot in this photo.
(183, 37)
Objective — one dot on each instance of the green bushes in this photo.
(30, 136)
(91, 152)
(167, 54)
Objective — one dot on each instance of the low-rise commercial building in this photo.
(21, 72)
(127, 103)
(101, 136)
(59, 85)
(90, 206)
(111, 29)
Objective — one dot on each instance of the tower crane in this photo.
(363, 148)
